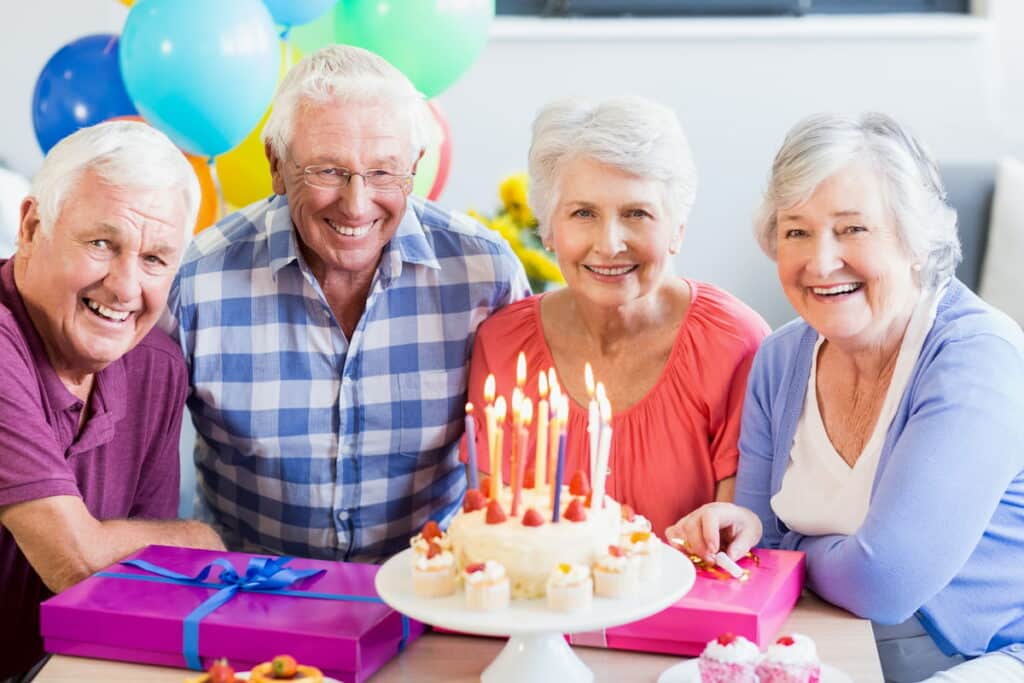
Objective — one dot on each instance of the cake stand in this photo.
(536, 649)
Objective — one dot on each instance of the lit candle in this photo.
(563, 415)
(492, 428)
(593, 429)
(471, 471)
(540, 471)
(521, 370)
(597, 499)
(500, 408)
(525, 417)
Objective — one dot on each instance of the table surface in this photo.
(844, 641)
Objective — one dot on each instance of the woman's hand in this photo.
(717, 526)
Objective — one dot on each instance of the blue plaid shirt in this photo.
(310, 443)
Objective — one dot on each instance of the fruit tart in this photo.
(285, 668)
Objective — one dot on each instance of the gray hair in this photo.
(637, 135)
(347, 74)
(126, 154)
(823, 144)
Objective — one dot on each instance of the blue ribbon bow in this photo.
(262, 575)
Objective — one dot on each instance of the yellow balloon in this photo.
(127, 3)
(244, 171)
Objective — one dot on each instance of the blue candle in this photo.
(471, 471)
(559, 475)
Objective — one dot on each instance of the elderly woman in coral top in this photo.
(883, 432)
(612, 184)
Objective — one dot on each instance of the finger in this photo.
(747, 536)
(710, 533)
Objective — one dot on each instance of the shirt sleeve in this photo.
(949, 469)
(32, 465)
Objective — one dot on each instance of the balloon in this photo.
(244, 172)
(81, 85)
(314, 35)
(432, 171)
(433, 42)
(127, 3)
(295, 12)
(202, 72)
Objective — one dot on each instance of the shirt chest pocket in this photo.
(430, 404)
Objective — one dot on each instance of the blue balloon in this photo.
(79, 86)
(295, 12)
(203, 72)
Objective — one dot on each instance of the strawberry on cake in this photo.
(729, 659)
(791, 659)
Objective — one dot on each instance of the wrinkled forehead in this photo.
(369, 130)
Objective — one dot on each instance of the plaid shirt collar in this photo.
(409, 244)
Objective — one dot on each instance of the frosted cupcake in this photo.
(420, 543)
(642, 548)
(434, 574)
(616, 575)
(729, 659)
(792, 659)
(487, 586)
(631, 522)
(570, 588)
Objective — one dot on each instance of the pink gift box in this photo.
(141, 620)
(755, 609)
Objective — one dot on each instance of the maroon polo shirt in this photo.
(123, 464)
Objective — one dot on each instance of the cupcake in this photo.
(420, 543)
(616, 575)
(434, 574)
(642, 548)
(631, 522)
(570, 588)
(487, 585)
(285, 668)
(729, 659)
(792, 659)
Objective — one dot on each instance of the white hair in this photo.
(343, 73)
(125, 154)
(634, 134)
(823, 144)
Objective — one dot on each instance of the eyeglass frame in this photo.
(404, 180)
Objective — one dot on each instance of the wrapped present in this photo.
(184, 607)
(754, 607)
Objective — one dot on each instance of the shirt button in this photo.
(343, 515)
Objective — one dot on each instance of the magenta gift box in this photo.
(141, 621)
(755, 609)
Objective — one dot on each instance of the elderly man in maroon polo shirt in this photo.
(92, 397)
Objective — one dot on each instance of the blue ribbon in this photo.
(262, 575)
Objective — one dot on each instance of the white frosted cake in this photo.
(529, 545)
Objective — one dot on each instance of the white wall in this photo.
(737, 85)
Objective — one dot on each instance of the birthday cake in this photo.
(530, 545)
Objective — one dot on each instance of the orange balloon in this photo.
(210, 203)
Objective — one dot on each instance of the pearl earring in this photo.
(916, 267)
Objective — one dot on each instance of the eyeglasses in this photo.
(330, 177)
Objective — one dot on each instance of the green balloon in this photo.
(433, 42)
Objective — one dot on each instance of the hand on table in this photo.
(716, 526)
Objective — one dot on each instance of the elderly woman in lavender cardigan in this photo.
(883, 432)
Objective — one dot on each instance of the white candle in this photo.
(592, 427)
(597, 499)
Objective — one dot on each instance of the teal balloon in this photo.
(201, 71)
(433, 42)
(296, 12)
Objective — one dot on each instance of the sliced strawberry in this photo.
(473, 501)
(431, 530)
(616, 551)
(533, 518)
(726, 638)
(433, 550)
(628, 514)
(580, 484)
(475, 567)
(575, 512)
(786, 640)
(495, 515)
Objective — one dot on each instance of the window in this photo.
(723, 7)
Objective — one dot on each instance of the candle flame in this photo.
(588, 377)
(556, 393)
(542, 385)
(500, 409)
(601, 393)
(606, 408)
(469, 408)
(517, 401)
(521, 369)
(552, 378)
(489, 389)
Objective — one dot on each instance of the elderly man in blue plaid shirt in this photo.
(327, 329)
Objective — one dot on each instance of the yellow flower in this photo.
(512, 191)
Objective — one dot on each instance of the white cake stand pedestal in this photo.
(536, 649)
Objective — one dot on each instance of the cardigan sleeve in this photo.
(951, 463)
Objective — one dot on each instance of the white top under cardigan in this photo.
(820, 493)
